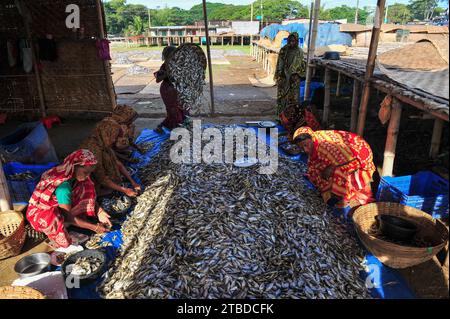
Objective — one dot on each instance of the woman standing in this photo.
(340, 164)
(175, 113)
(109, 170)
(290, 69)
(66, 195)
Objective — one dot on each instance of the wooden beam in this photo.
(311, 46)
(436, 138)
(370, 65)
(326, 102)
(391, 139)
(208, 52)
(355, 104)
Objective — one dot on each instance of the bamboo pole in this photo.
(5, 197)
(391, 139)
(326, 103)
(436, 138)
(106, 64)
(208, 52)
(311, 46)
(370, 65)
(355, 103)
(37, 73)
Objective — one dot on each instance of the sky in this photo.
(187, 4)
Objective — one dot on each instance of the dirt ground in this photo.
(237, 101)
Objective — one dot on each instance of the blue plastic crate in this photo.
(21, 190)
(425, 191)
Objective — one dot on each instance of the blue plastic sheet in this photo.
(386, 283)
(328, 33)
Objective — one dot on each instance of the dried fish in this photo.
(186, 68)
(219, 231)
(25, 176)
(84, 266)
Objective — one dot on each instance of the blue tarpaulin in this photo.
(327, 33)
(386, 283)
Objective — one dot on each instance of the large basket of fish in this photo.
(186, 68)
(379, 226)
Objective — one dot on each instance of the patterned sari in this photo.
(350, 181)
(290, 62)
(105, 133)
(124, 116)
(294, 117)
(43, 212)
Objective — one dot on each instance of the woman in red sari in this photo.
(66, 194)
(340, 164)
(175, 113)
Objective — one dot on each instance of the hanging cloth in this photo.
(27, 56)
(103, 49)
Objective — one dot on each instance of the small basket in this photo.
(395, 255)
(19, 292)
(12, 234)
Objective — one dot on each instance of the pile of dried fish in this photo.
(138, 69)
(25, 176)
(218, 231)
(186, 68)
(84, 266)
(146, 146)
(96, 242)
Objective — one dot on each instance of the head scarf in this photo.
(100, 143)
(124, 114)
(295, 36)
(303, 130)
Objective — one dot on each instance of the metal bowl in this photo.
(32, 265)
(332, 55)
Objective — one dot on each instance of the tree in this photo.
(138, 25)
(399, 13)
(423, 9)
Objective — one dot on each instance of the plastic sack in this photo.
(29, 144)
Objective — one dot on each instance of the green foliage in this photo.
(122, 17)
(399, 13)
(424, 9)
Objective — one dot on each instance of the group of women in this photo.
(66, 194)
(340, 164)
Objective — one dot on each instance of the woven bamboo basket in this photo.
(12, 234)
(16, 292)
(395, 255)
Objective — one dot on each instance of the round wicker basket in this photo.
(16, 292)
(395, 255)
(12, 234)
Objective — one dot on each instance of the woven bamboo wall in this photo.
(76, 83)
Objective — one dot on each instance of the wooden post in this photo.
(232, 40)
(338, 85)
(355, 104)
(208, 52)
(5, 197)
(311, 46)
(106, 64)
(370, 65)
(222, 40)
(326, 102)
(242, 40)
(436, 138)
(391, 139)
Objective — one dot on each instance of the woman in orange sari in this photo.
(340, 165)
